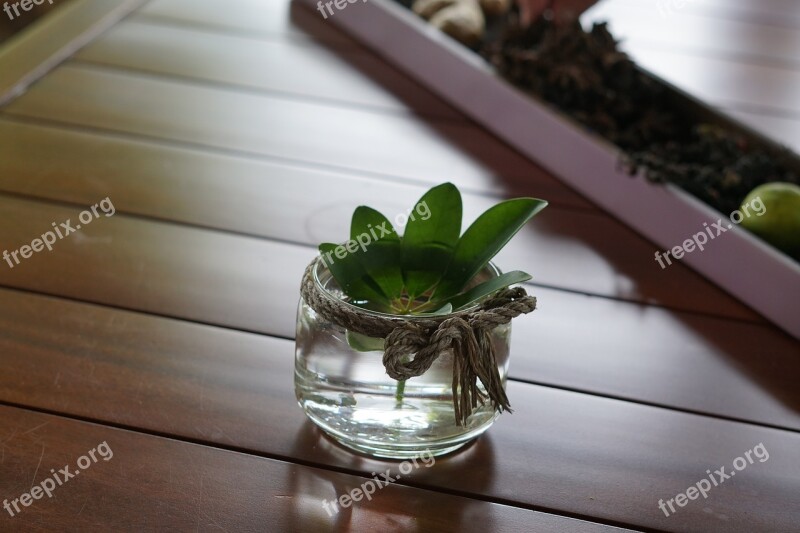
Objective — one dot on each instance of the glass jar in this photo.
(348, 394)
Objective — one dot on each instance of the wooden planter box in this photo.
(742, 264)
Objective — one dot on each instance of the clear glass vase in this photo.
(348, 394)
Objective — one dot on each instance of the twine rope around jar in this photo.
(467, 334)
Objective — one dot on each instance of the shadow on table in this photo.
(762, 351)
(757, 349)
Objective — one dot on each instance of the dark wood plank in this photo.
(130, 263)
(582, 455)
(282, 67)
(249, 284)
(150, 483)
(543, 185)
(697, 364)
(579, 251)
(283, 129)
(635, 470)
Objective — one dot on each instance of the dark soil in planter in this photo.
(584, 75)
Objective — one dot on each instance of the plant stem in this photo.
(398, 395)
(401, 386)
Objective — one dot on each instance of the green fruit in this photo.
(775, 215)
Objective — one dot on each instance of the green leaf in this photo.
(483, 239)
(467, 298)
(428, 242)
(446, 309)
(362, 343)
(377, 249)
(350, 275)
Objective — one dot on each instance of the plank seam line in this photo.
(91, 64)
(745, 15)
(262, 238)
(156, 314)
(685, 410)
(322, 466)
(467, 125)
(69, 48)
(755, 59)
(275, 159)
(533, 383)
(342, 42)
(308, 41)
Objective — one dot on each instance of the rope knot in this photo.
(412, 346)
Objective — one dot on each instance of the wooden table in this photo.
(230, 140)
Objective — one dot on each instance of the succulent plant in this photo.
(429, 268)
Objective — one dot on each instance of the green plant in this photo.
(428, 270)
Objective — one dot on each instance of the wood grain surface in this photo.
(175, 271)
(598, 255)
(271, 66)
(231, 139)
(148, 483)
(239, 122)
(615, 459)
(269, 19)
